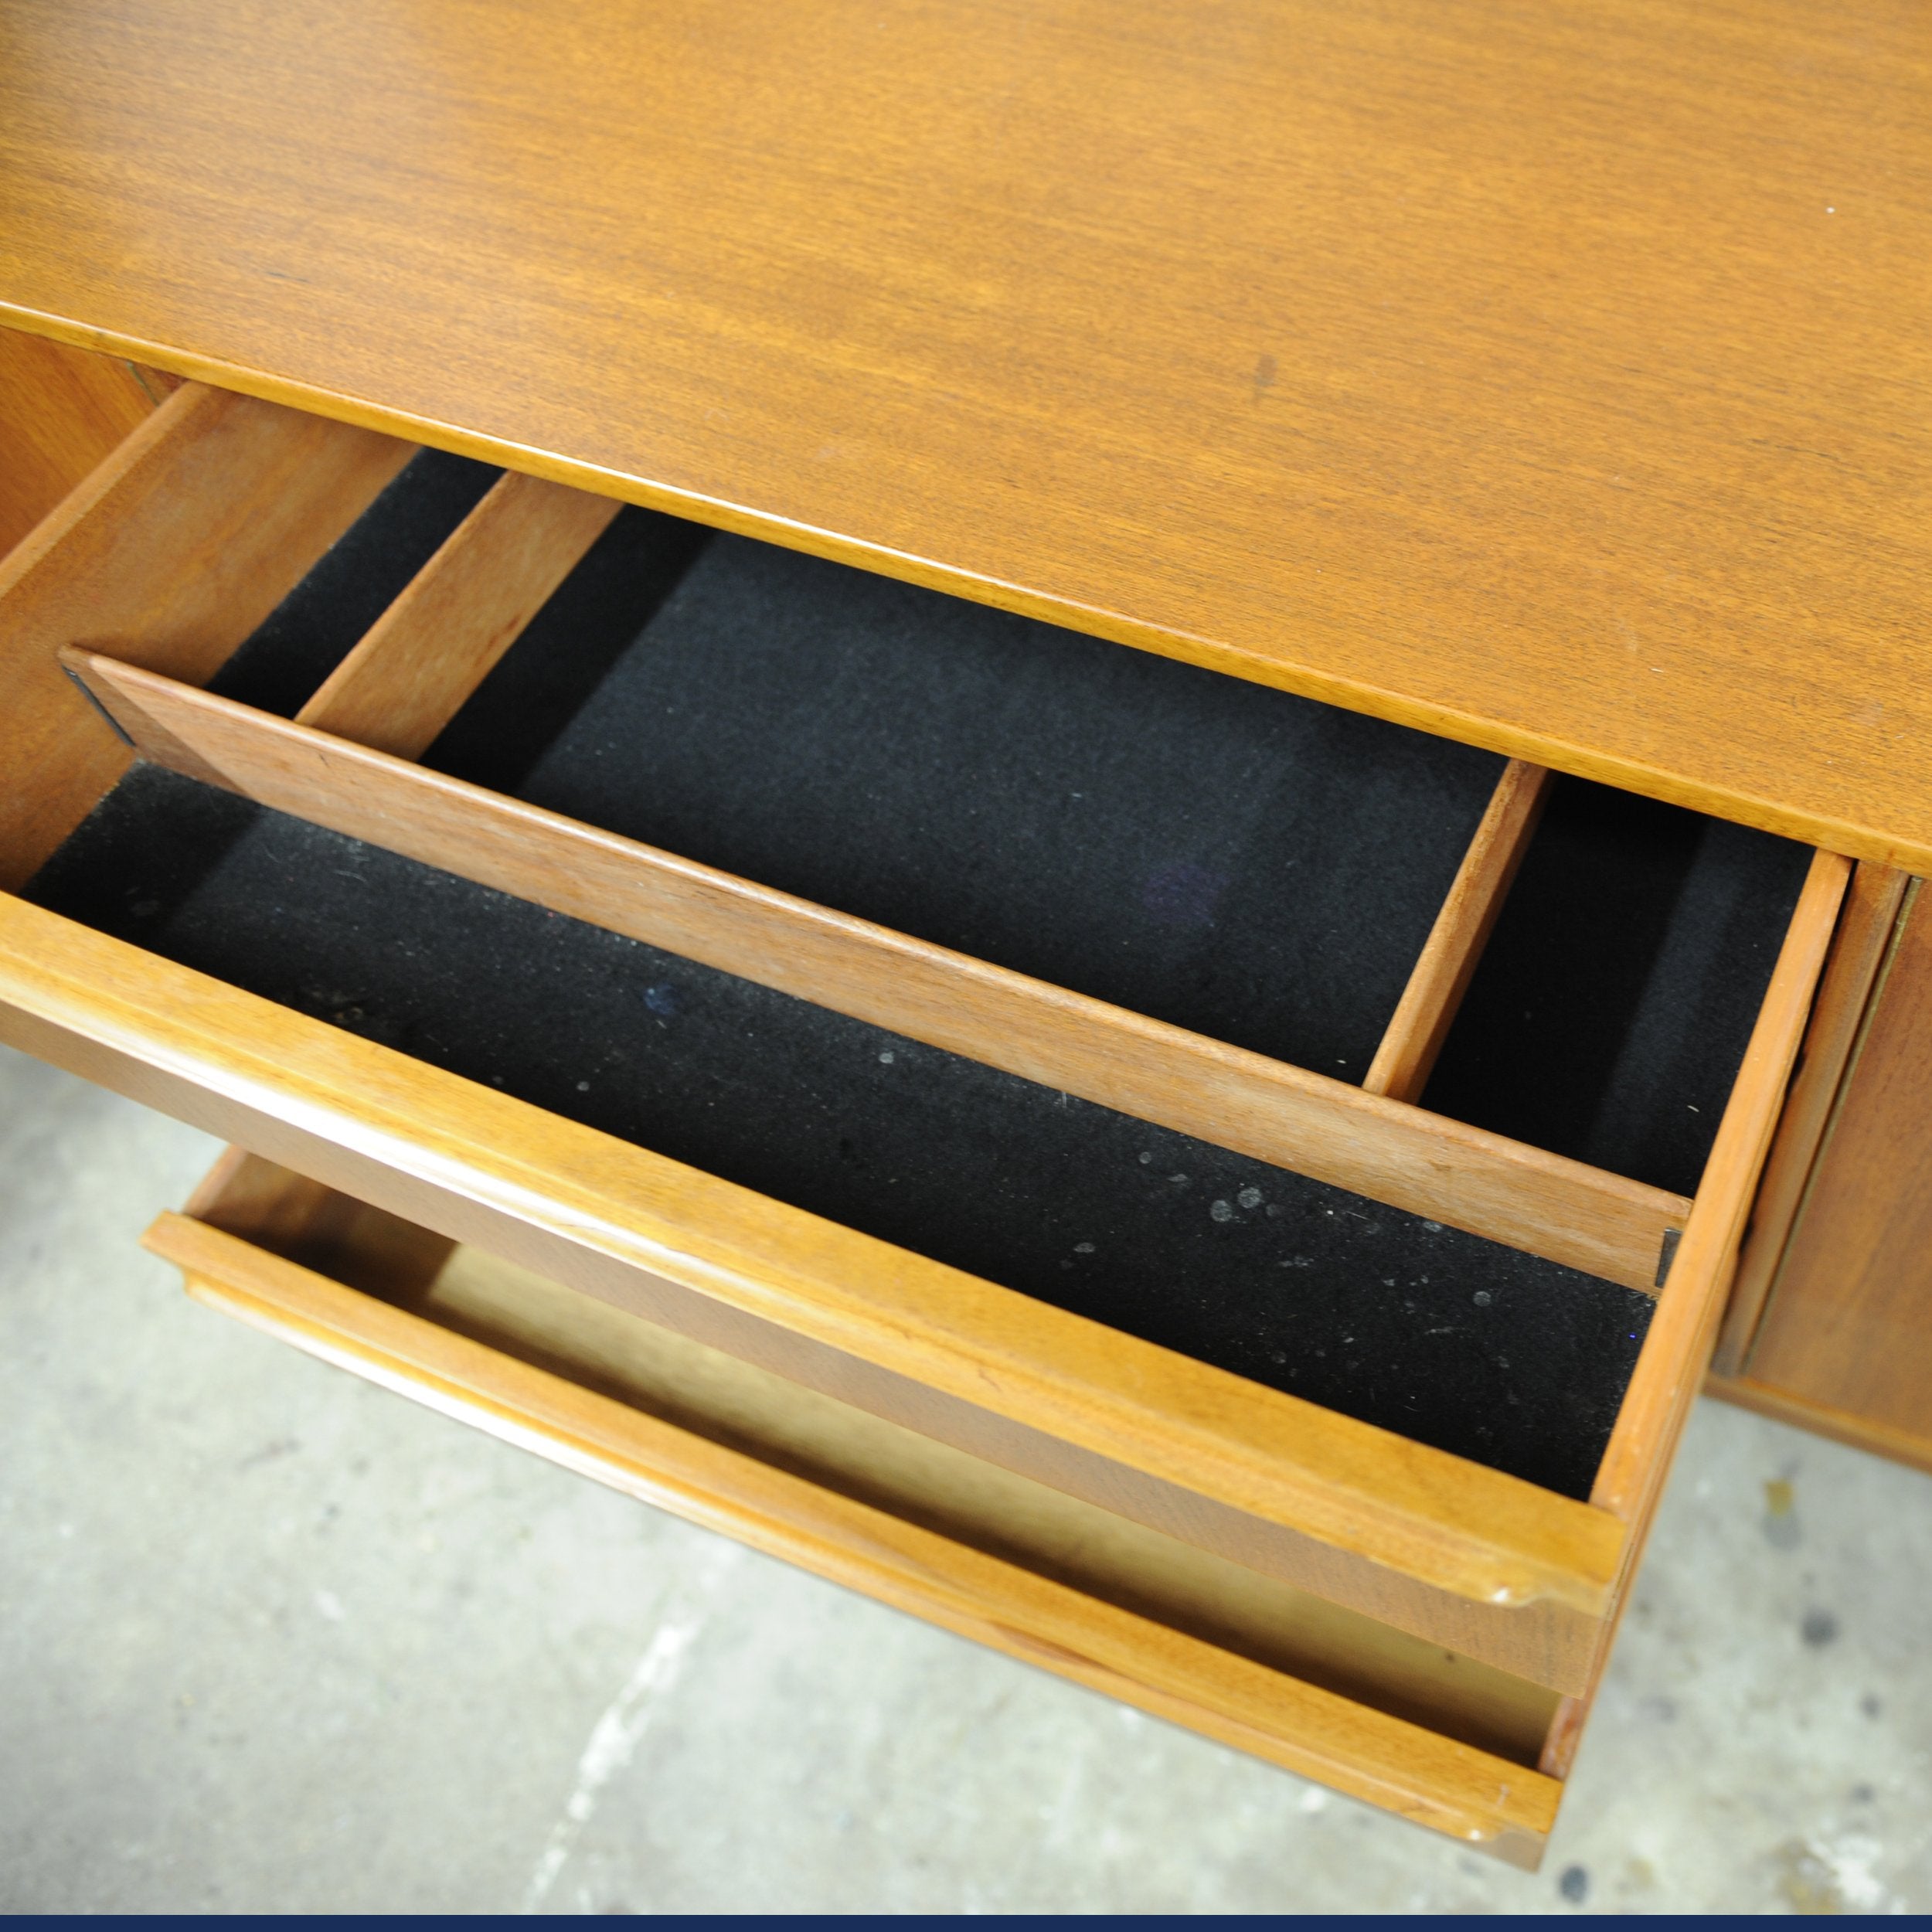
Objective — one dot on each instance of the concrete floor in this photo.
(275, 1640)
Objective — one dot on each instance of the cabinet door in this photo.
(1845, 1342)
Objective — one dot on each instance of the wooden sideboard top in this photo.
(1556, 377)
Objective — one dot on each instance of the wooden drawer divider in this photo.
(1387, 1149)
(1420, 1023)
(411, 671)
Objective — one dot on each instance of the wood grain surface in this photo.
(1554, 377)
(61, 411)
(1420, 1023)
(1366, 1516)
(169, 553)
(1849, 1326)
(1401, 1155)
(1677, 1348)
(1482, 1799)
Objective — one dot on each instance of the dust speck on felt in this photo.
(1249, 1197)
(1082, 1247)
(887, 1058)
(1222, 1211)
(1574, 1884)
(1481, 1298)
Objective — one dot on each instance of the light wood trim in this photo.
(1420, 1023)
(675, 1244)
(1866, 932)
(169, 554)
(1676, 1351)
(444, 634)
(1441, 1168)
(1471, 1794)
(1913, 1448)
(859, 1454)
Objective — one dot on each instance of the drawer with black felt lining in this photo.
(1142, 1080)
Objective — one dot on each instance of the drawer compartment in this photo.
(1463, 1343)
(1011, 1563)
(1390, 1359)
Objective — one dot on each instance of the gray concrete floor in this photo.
(276, 1640)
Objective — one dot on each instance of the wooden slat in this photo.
(168, 555)
(410, 674)
(1911, 1447)
(1866, 929)
(1420, 1024)
(1676, 1351)
(1482, 1799)
(1439, 1169)
(1492, 1566)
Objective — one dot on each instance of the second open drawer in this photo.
(1151, 1255)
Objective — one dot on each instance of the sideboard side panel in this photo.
(1848, 1327)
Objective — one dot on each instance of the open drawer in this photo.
(1018, 1038)
(995, 1556)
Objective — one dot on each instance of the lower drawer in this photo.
(1238, 1656)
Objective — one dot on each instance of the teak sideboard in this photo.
(1110, 815)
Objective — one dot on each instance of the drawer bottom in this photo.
(1321, 1691)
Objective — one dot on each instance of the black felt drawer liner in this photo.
(1612, 1006)
(1232, 859)
(1453, 1341)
